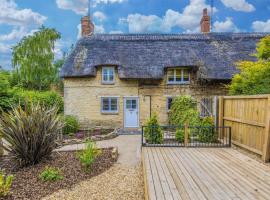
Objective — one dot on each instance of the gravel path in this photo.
(129, 148)
(117, 183)
(123, 181)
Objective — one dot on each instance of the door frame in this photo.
(138, 110)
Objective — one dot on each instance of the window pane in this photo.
(178, 78)
(108, 74)
(171, 78)
(105, 104)
(111, 74)
(178, 72)
(134, 104)
(169, 103)
(105, 77)
(186, 75)
(111, 77)
(170, 72)
(128, 104)
(113, 104)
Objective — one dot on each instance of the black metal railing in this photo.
(186, 136)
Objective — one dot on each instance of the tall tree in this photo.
(254, 77)
(33, 60)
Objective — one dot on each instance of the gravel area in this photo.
(27, 184)
(117, 183)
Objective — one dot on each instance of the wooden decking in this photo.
(204, 173)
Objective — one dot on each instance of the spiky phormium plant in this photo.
(30, 133)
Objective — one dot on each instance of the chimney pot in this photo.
(205, 22)
(87, 26)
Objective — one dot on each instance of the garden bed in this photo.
(80, 137)
(28, 185)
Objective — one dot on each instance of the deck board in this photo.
(204, 173)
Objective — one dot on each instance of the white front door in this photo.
(131, 108)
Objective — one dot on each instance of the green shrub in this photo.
(5, 183)
(71, 124)
(5, 94)
(50, 174)
(207, 132)
(153, 133)
(88, 155)
(180, 134)
(31, 133)
(48, 98)
(184, 109)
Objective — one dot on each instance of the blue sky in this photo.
(19, 18)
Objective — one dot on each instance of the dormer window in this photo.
(108, 75)
(178, 76)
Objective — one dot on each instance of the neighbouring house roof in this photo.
(145, 56)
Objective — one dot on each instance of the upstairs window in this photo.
(108, 75)
(178, 76)
(109, 104)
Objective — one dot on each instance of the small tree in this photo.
(254, 77)
(153, 132)
(33, 60)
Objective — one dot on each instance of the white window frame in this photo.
(182, 76)
(108, 75)
(109, 111)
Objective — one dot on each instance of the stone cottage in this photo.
(120, 80)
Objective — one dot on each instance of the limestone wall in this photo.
(83, 98)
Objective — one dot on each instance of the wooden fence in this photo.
(249, 118)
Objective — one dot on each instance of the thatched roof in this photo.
(145, 56)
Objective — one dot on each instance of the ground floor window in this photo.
(109, 104)
(169, 103)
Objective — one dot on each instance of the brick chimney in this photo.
(205, 22)
(87, 26)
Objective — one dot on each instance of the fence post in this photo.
(220, 116)
(266, 146)
(186, 135)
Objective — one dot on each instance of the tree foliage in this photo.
(5, 93)
(254, 77)
(263, 49)
(33, 60)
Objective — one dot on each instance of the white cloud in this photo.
(11, 15)
(23, 22)
(100, 16)
(79, 29)
(225, 26)
(99, 29)
(116, 32)
(5, 48)
(80, 7)
(239, 5)
(260, 26)
(189, 19)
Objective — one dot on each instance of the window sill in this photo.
(109, 113)
(107, 83)
(180, 83)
